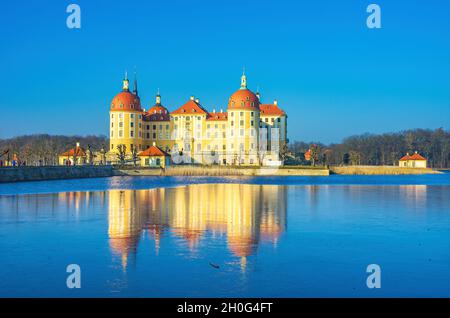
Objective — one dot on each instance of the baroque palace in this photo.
(248, 133)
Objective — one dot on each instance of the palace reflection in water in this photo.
(244, 214)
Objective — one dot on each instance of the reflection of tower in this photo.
(125, 220)
(242, 212)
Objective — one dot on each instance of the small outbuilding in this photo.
(414, 161)
(154, 157)
(73, 156)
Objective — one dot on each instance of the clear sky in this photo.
(330, 73)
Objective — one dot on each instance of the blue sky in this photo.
(330, 73)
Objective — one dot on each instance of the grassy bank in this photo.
(215, 171)
(380, 170)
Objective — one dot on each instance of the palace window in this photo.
(154, 127)
(131, 115)
(252, 123)
(131, 124)
(154, 135)
(242, 132)
(252, 114)
(120, 124)
(112, 146)
(120, 133)
(167, 127)
(148, 135)
(131, 133)
(241, 114)
(112, 134)
(241, 123)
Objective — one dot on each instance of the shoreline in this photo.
(47, 173)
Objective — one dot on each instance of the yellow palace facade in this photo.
(247, 133)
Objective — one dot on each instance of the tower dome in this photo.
(125, 100)
(243, 98)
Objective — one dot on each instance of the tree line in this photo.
(366, 149)
(377, 149)
(44, 149)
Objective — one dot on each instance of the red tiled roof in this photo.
(271, 110)
(415, 156)
(243, 99)
(80, 152)
(126, 101)
(157, 113)
(191, 107)
(405, 158)
(153, 151)
(217, 116)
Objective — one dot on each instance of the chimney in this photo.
(221, 110)
(154, 144)
(259, 96)
(214, 110)
(78, 144)
(192, 97)
(275, 102)
(197, 100)
(416, 151)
